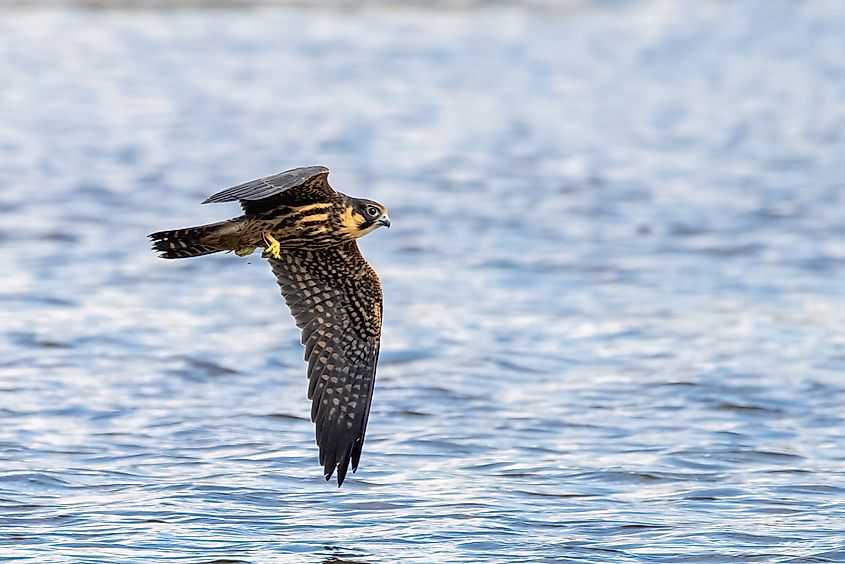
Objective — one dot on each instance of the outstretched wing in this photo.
(293, 187)
(335, 297)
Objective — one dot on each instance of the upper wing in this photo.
(335, 297)
(293, 187)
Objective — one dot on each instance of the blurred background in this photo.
(614, 326)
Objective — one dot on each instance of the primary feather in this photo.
(271, 185)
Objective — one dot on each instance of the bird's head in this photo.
(364, 216)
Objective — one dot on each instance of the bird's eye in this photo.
(373, 211)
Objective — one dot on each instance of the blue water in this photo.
(614, 309)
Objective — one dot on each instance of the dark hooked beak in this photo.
(384, 220)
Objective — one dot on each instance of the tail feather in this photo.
(189, 242)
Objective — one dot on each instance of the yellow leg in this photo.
(245, 251)
(273, 247)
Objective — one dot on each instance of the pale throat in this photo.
(365, 231)
(351, 222)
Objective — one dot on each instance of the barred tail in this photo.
(189, 242)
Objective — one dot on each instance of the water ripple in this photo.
(613, 306)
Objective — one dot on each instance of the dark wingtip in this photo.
(220, 197)
(329, 475)
(341, 474)
(241, 192)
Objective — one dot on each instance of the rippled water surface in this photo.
(614, 309)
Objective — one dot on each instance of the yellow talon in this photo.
(245, 251)
(273, 247)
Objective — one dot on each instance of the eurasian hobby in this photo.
(308, 233)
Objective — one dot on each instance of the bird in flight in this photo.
(308, 232)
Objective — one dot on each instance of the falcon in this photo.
(308, 231)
